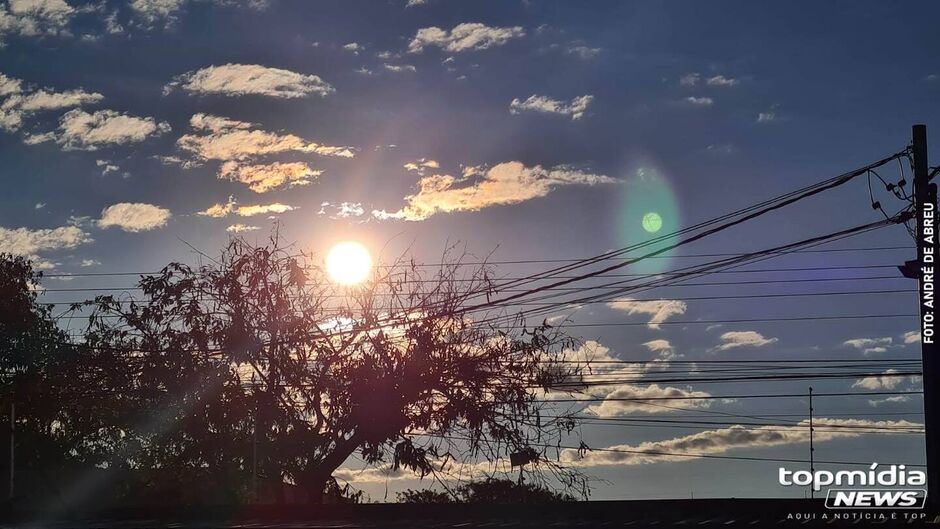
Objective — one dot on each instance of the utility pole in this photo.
(925, 200)
(254, 455)
(12, 445)
(812, 449)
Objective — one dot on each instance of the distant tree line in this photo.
(487, 491)
(255, 377)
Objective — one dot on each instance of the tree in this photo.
(487, 491)
(260, 353)
(44, 379)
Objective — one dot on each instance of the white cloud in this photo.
(879, 382)
(678, 449)
(343, 210)
(30, 243)
(107, 167)
(421, 165)
(693, 79)
(506, 183)
(596, 356)
(89, 262)
(911, 337)
(660, 310)
(721, 149)
(79, 130)
(700, 101)
(398, 68)
(265, 177)
(449, 470)
(735, 339)
(154, 13)
(583, 52)
(544, 104)
(50, 100)
(111, 24)
(151, 12)
(9, 85)
(238, 143)
(250, 79)
(719, 441)
(36, 139)
(663, 348)
(766, 117)
(895, 399)
(227, 139)
(623, 396)
(134, 217)
(689, 79)
(721, 80)
(466, 36)
(19, 105)
(34, 18)
(354, 47)
(654, 392)
(241, 228)
(870, 345)
(413, 3)
(232, 208)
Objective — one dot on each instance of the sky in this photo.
(132, 132)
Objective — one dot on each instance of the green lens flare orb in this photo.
(652, 222)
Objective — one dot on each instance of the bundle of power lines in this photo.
(565, 284)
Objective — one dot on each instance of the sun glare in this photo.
(348, 263)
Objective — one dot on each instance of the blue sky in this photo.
(536, 130)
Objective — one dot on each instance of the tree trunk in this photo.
(318, 474)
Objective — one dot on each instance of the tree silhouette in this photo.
(60, 429)
(257, 364)
(487, 491)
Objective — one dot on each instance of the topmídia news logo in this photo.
(887, 487)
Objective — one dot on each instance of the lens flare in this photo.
(348, 263)
(649, 210)
(652, 222)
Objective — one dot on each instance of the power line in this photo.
(724, 397)
(746, 320)
(639, 275)
(662, 453)
(708, 268)
(666, 423)
(745, 214)
(754, 212)
(672, 298)
(751, 361)
(711, 380)
(820, 319)
(512, 262)
(578, 385)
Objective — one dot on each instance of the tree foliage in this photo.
(44, 382)
(487, 491)
(258, 364)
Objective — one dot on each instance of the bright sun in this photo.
(348, 263)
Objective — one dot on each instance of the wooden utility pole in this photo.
(925, 200)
